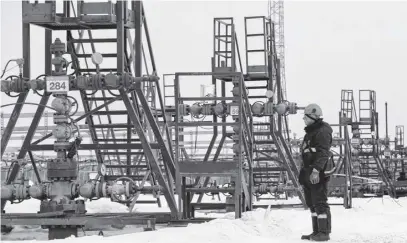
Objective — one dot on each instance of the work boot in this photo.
(314, 228)
(323, 233)
(328, 213)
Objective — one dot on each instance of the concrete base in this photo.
(61, 233)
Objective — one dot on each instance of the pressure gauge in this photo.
(269, 94)
(102, 169)
(97, 58)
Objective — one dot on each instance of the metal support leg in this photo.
(168, 194)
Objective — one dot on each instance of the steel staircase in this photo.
(270, 147)
(107, 125)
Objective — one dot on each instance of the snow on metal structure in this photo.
(366, 144)
(147, 132)
(136, 91)
(248, 150)
(252, 105)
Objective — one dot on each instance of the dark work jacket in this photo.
(319, 136)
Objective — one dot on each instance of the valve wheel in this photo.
(128, 199)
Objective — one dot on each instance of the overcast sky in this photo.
(329, 46)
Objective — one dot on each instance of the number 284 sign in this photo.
(57, 84)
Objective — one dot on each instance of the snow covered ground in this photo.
(373, 220)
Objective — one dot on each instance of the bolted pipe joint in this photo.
(38, 191)
(183, 110)
(220, 109)
(93, 190)
(286, 108)
(87, 190)
(7, 192)
(268, 109)
(112, 80)
(62, 189)
(37, 84)
(14, 192)
(17, 85)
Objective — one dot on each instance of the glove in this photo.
(314, 177)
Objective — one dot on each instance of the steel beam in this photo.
(168, 194)
(13, 120)
(34, 124)
(34, 147)
(167, 158)
(216, 168)
(87, 220)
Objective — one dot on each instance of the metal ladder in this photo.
(225, 45)
(367, 106)
(348, 110)
(257, 68)
(168, 83)
(101, 126)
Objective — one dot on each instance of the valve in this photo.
(62, 105)
(62, 131)
(15, 192)
(18, 85)
(220, 109)
(264, 188)
(196, 110)
(285, 108)
(92, 82)
(127, 187)
(258, 108)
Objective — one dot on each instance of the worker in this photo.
(316, 168)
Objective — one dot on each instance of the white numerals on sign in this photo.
(234, 110)
(387, 154)
(57, 84)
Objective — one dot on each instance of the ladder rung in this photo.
(223, 36)
(264, 142)
(256, 87)
(90, 55)
(128, 166)
(256, 50)
(94, 40)
(116, 140)
(121, 153)
(253, 35)
(107, 113)
(103, 99)
(123, 125)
